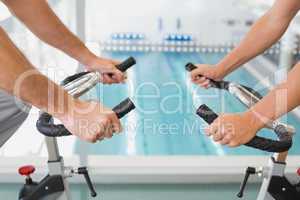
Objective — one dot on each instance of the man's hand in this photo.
(234, 129)
(203, 73)
(91, 121)
(107, 68)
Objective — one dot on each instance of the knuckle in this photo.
(90, 139)
(105, 121)
(94, 138)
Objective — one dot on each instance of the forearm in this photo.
(263, 34)
(284, 98)
(20, 78)
(42, 21)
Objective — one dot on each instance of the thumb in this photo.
(199, 72)
(118, 75)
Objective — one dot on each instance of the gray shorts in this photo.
(13, 113)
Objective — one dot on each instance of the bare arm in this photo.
(20, 78)
(282, 99)
(42, 21)
(237, 129)
(264, 33)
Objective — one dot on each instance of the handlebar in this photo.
(76, 85)
(46, 126)
(216, 84)
(248, 97)
(122, 67)
(225, 85)
(283, 144)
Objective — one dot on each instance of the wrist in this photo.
(94, 63)
(66, 108)
(83, 55)
(221, 71)
(256, 120)
(229, 63)
(88, 59)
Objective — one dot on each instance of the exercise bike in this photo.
(275, 185)
(55, 186)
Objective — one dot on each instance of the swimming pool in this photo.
(164, 122)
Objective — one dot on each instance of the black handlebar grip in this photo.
(123, 108)
(264, 144)
(216, 84)
(126, 64)
(206, 114)
(190, 67)
(270, 145)
(46, 126)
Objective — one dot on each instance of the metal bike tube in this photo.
(249, 100)
(56, 166)
(55, 160)
(274, 169)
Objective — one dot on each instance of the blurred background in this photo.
(147, 161)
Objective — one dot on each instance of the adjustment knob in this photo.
(26, 170)
(298, 171)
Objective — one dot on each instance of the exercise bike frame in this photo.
(56, 166)
(275, 185)
(55, 185)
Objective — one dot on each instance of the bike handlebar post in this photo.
(77, 85)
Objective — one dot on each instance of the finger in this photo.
(199, 80)
(91, 134)
(211, 130)
(233, 143)
(101, 137)
(92, 138)
(220, 133)
(206, 84)
(99, 131)
(226, 140)
(125, 75)
(218, 136)
(117, 127)
(196, 73)
(124, 78)
(107, 79)
(109, 131)
(101, 134)
(103, 79)
(117, 76)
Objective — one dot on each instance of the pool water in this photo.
(164, 122)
